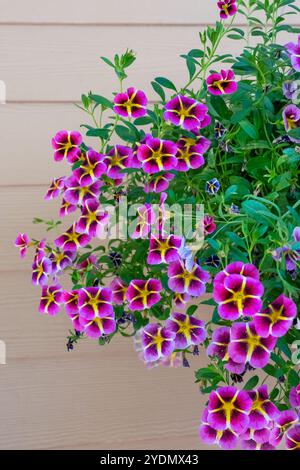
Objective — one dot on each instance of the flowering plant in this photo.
(211, 173)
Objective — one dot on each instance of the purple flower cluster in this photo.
(248, 418)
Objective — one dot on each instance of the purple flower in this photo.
(190, 153)
(132, 103)
(66, 208)
(157, 342)
(145, 219)
(180, 300)
(227, 8)
(263, 410)
(41, 270)
(259, 436)
(212, 186)
(158, 183)
(182, 280)
(282, 424)
(291, 256)
(185, 112)
(292, 441)
(251, 444)
(77, 194)
(92, 219)
(22, 242)
(247, 270)
(293, 50)
(277, 319)
(143, 294)
(226, 439)
(219, 347)
(51, 299)
(209, 225)
(118, 288)
(157, 155)
(118, 158)
(238, 296)
(291, 119)
(61, 259)
(247, 346)
(71, 240)
(70, 300)
(228, 408)
(56, 188)
(66, 144)
(295, 396)
(94, 302)
(163, 250)
(188, 330)
(222, 83)
(90, 169)
(290, 90)
(99, 325)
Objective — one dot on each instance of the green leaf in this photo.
(251, 384)
(249, 129)
(159, 90)
(101, 100)
(166, 83)
(192, 309)
(103, 133)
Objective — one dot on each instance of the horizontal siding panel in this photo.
(65, 61)
(67, 399)
(114, 11)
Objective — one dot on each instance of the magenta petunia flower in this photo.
(190, 153)
(277, 319)
(118, 158)
(180, 300)
(163, 250)
(51, 300)
(71, 240)
(247, 346)
(93, 219)
(143, 294)
(237, 296)
(90, 169)
(182, 280)
(142, 224)
(282, 424)
(219, 347)
(66, 208)
(99, 326)
(209, 225)
(228, 408)
(157, 342)
(293, 50)
(226, 439)
(185, 112)
(157, 155)
(292, 440)
(132, 103)
(77, 194)
(40, 251)
(260, 436)
(118, 288)
(22, 242)
(94, 302)
(251, 444)
(247, 270)
(222, 83)
(188, 330)
(91, 261)
(66, 144)
(56, 188)
(263, 411)
(61, 259)
(41, 270)
(158, 183)
(227, 8)
(291, 119)
(295, 396)
(70, 300)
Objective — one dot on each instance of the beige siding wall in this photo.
(92, 397)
